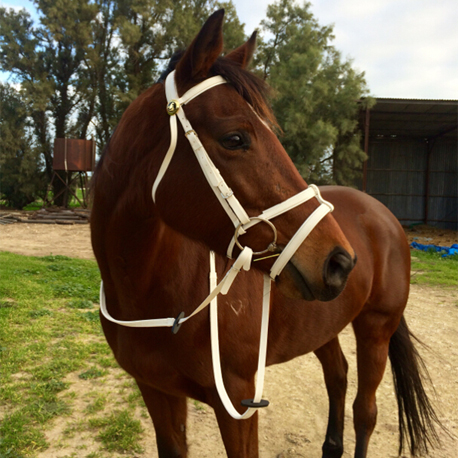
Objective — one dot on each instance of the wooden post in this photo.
(366, 146)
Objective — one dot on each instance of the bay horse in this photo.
(153, 255)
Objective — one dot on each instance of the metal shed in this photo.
(413, 159)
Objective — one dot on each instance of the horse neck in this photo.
(154, 256)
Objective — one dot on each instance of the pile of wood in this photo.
(59, 216)
(10, 218)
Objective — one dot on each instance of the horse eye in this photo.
(234, 141)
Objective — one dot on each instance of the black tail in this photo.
(417, 419)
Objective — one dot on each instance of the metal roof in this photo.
(413, 118)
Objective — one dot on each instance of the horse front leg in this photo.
(240, 437)
(169, 415)
(335, 369)
(373, 332)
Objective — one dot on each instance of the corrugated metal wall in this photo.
(397, 175)
(443, 185)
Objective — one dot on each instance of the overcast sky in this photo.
(407, 48)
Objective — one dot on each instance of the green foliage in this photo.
(151, 31)
(21, 180)
(316, 94)
(98, 404)
(80, 304)
(92, 373)
(45, 60)
(86, 60)
(430, 268)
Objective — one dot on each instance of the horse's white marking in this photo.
(237, 307)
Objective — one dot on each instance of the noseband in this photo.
(242, 222)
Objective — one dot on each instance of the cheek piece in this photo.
(242, 222)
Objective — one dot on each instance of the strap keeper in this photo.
(177, 325)
(255, 405)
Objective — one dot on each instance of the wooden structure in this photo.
(59, 216)
(76, 156)
(413, 159)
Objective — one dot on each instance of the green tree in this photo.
(133, 40)
(189, 17)
(101, 75)
(21, 176)
(315, 94)
(150, 32)
(86, 60)
(45, 60)
(21, 56)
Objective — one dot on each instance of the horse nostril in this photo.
(337, 267)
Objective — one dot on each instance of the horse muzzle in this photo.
(296, 281)
(336, 270)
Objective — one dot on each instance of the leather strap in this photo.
(216, 360)
(242, 262)
(301, 234)
(297, 239)
(222, 191)
(172, 94)
(277, 210)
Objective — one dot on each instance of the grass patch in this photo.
(198, 405)
(50, 333)
(430, 268)
(92, 373)
(80, 304)
(119, 432)
(97, 405)
(39, 204)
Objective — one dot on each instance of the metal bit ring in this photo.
(272, 245)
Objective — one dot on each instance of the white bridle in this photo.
(242, 222)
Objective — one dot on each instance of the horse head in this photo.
(228, 122)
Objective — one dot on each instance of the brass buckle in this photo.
(272, 245)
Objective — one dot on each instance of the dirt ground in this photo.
(295, 422)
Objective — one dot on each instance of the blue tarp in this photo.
(448, 251)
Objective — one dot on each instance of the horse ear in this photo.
(243, 54)
(203, 51)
